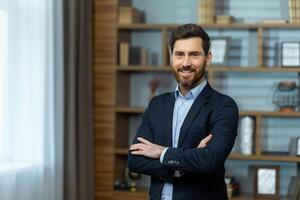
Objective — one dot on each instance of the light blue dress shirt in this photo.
(181, 108)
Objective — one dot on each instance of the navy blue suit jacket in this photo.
(203, 178)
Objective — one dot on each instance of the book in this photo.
(132, 55)
(274, 21)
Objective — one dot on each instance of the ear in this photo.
(208, 58)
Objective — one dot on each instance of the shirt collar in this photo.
(193, 93)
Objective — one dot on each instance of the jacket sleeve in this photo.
(224, 121)
(142, 164)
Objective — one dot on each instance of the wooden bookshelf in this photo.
(120, 77)
(253, 69)
(143, 194)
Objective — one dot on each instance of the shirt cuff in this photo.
(162, 155)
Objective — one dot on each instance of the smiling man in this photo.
(186, 135)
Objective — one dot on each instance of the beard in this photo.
(189, 84)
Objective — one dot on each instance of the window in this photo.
(3, 40)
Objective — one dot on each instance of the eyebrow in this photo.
(190, 52)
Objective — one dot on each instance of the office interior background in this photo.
(76, 76)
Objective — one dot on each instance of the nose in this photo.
(186, 62)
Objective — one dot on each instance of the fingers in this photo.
(136, 147)
(142, 140)
(205, 141)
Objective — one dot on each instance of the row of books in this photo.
(129, 14)
(132, 55)
(294, 11)
(206, 11)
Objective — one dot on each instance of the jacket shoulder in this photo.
(220, 98)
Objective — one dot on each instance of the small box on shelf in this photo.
(224, 19)
(129, 15)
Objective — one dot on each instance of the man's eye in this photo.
(178, 54)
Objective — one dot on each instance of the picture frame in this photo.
(266, 182)
(290, 54)
(298, 146)
(294, 146)
(219, 49)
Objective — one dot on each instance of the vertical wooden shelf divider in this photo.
(164, 47)
(258, 122)
(260, 51)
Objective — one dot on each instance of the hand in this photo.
(205, 141)
(146, 148)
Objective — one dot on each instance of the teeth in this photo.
(185, 71)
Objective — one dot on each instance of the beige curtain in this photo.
(78, 140)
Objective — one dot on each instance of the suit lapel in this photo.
(170, 101)
(201, 100)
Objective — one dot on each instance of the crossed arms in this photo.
(151, 150)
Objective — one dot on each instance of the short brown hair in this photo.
(189, 31)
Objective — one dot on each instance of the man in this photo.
(185, 136)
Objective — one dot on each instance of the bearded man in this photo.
(186, 135)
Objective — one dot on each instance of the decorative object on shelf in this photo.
(290, 54)
(246, 135)
(131, 179)
(266, 182)
(121, 185)
(286, 96)
(224, 19)
(153, 85)
(294, 146)
(233, 187)
(129, 15)
(219, 47)
(206, 11)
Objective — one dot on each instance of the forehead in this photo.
(189, 44)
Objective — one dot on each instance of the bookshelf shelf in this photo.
(143, 194)
(253, 69)
(209, 26)
(140, 110)
(139, 68)
(238, 156)
(130, 110)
